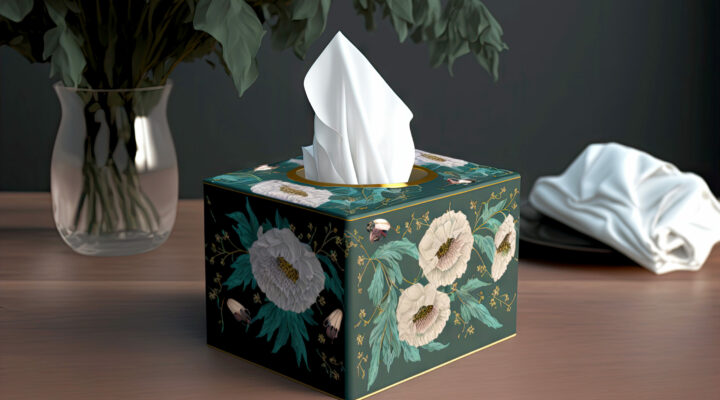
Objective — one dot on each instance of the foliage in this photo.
(132, 44)
(461, 27)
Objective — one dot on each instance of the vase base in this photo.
(114, 244)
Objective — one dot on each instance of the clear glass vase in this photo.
(114, 175)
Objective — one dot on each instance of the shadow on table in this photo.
(531, 251)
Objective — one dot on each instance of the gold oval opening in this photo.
(419, 175)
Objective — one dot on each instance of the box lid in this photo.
(434, 176)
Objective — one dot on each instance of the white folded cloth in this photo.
(664, 219)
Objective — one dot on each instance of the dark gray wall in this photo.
(638, 72)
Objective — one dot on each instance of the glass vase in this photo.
(114, 174)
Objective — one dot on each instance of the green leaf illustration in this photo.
(287, 325)
(377, 286)
(384, 338)
(435, 346)
(332, 280)
(410, 353)
(492, 211)
(472, 284)
(390, 255)
(242, 274)
(246, 229)
(486, 244)
(471, 308)
(235, 25)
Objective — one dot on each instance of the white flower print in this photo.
(445, 248)
(422, 313)
(292, 192)
(504, 247)
(424, 157)
(286, 270)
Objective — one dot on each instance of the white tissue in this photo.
(647, 209)
(362, 128)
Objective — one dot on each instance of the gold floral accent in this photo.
(321, 338)
(290, 190)
(433, 157)
(362, 359)
(321, 300)
(360, 339)
(504, 247)
(256, 298)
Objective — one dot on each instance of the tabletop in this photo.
(73, 326)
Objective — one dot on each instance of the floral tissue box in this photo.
(353, 289)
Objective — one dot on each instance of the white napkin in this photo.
(664, 219)
(362, 128)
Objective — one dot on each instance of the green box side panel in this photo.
(266, 330)
(386, 272)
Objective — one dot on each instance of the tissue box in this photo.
(353, 289)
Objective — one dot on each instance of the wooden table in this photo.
(78, 327)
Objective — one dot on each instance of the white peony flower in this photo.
(504, 247)
(424, 157)
(422, 313)
(286, 270)
(445, 249)
(292, 192)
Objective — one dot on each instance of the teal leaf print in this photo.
(384, 338)
(280, 222)
(410, 353)
(246, 228)
(288, 325)
(471, 308)
(486, 244)
(492, 211)
(332, 280)
(242, 274)
(435, 346)
(472, 284)
(391, 253)
(377, 286)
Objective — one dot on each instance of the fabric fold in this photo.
(664, 219)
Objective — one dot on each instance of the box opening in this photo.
(418, 176)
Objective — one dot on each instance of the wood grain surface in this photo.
(133, 327)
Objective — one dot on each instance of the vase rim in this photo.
(60, 85)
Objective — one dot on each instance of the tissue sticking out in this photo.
(362, 128)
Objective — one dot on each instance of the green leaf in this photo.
(234, 24)
(305, 9)
(401, 9)
(242, 274)
(384, 339)
(435, 346)
(15, 10)
(284, 324)
(243, 229)
(486, 244)
(332, 280)
(63, 48)
(473, 283)
(471, 308)
(377, 286)
(390, 255)
(281, 222)
(410, 353)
